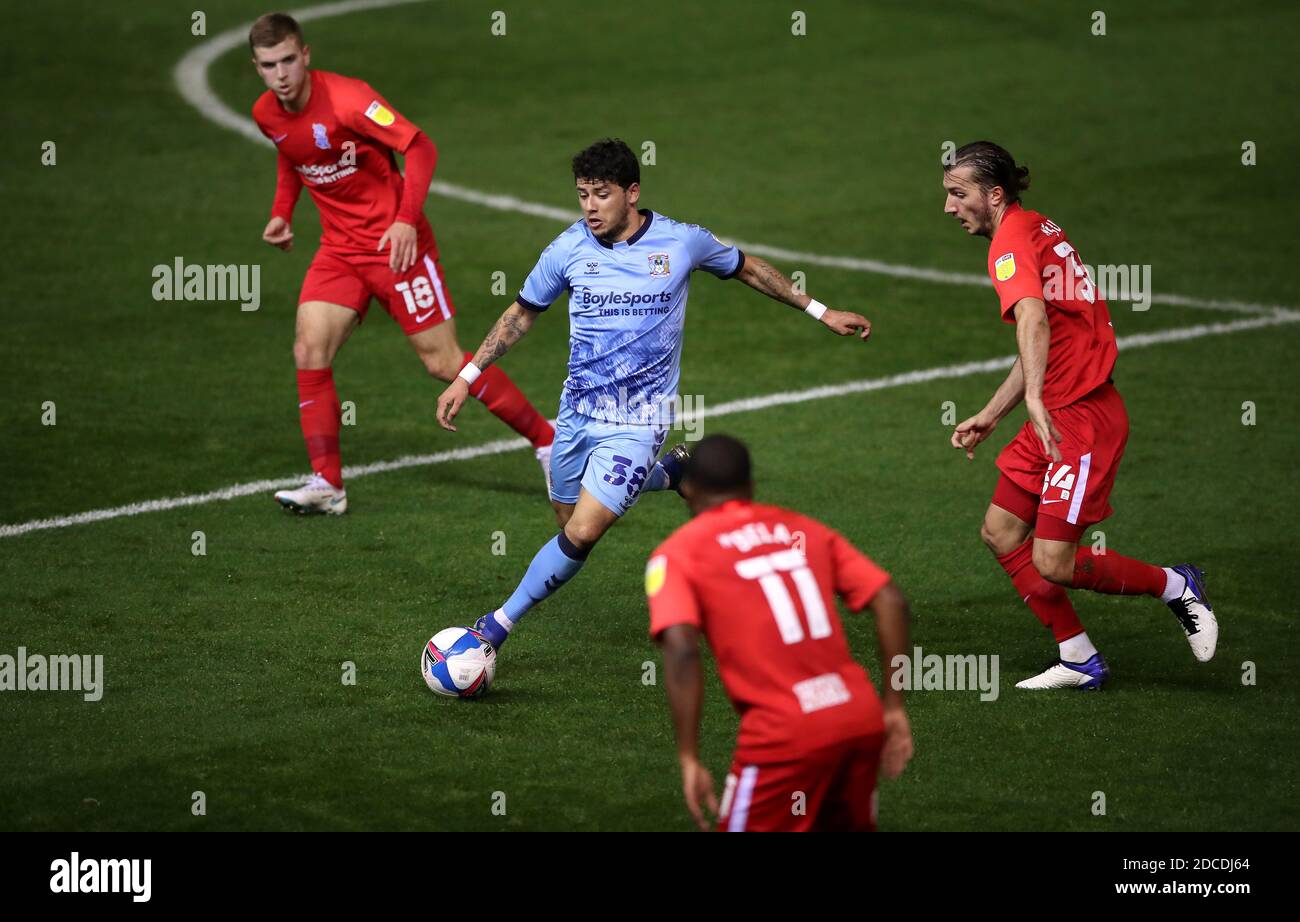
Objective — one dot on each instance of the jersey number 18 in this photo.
(418, 293)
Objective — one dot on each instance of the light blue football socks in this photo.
(554, 565)
(557, 562)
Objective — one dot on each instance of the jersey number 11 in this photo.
(769, 570)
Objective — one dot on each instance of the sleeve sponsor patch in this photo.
(378, 114)
(656, 571)
(1004, 266)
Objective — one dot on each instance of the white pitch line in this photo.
(259, 486)
(191, 76)
(965, 369)
(744, 405)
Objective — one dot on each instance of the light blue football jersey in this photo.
(627, 310)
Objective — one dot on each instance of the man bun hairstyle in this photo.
(609, 160)
(271, 29)
(992, 165)
(719, 464)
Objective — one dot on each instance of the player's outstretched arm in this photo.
(508, 330)
(1007, 397)
(761, 275)
(1033, 336)
(889, 606)
(684, 683)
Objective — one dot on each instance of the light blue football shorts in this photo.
(610, 460)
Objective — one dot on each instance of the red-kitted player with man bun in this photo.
(1058, 470)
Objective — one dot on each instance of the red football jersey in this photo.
(760, 582)
(340, 146)
(1030, 257)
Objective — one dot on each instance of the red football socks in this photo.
(1048, 601)
(1116, 574)
(319, 412)
(508, 404)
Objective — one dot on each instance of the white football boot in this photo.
(317, 495)
(1090, 675)
(1194, 613)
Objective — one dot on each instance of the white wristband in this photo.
(815, 309)
(470, 373)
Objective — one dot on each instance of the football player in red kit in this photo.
(760, 583)
(1058, 470)
(337, 136)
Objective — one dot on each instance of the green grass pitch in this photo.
(223, 672)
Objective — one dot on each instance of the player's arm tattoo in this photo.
(761, 275)
(508, 330)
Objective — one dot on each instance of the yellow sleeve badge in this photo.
(1004, 267)
(656, 572)
(380, 115)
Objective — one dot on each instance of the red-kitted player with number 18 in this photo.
(337, 136)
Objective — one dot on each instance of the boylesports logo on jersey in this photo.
(658, 265)
(1004, 266)
(378, 114)
(589, 298)
(320, 136)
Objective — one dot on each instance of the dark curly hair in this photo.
(991, 165)
(610, 160)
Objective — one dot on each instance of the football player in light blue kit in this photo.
(627, 272)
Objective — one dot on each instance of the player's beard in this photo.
(613, 232)
(984, 221)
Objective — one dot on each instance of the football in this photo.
(459, 663)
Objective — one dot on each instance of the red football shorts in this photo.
(416, 298)
(1066, 497)
(826, 790)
